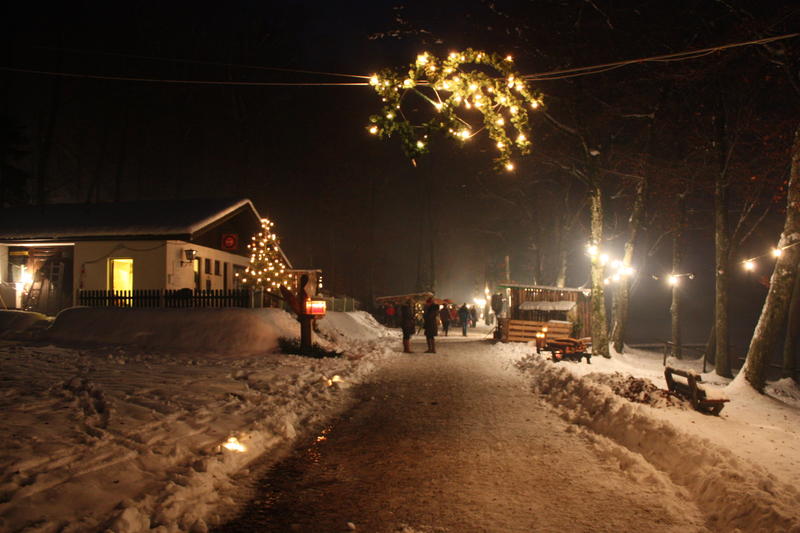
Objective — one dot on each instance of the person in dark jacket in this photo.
(407, 324)
(429, 319)
(444, 316)
(463, 317)
(473, 315)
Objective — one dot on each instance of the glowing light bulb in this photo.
(592, 249)
(473, 87)
(603, 259)
(776, 252)
(514, 109)
(509, 166)
(422, 59)
(509, 58)
(500, 121)
(535, 104)
(672, 279)
(420, 144)
(438, 106)
(464, 134)
(521, 138)
(749, 265)
(373, 130)
(390, 115)
(374, 80)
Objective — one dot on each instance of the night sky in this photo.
(355, 206)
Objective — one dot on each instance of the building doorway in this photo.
(120, 274)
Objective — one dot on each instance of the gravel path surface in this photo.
(457, 442)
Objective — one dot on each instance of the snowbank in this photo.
(220, 331)
(733, 493)
(126, 439)
(15, 324)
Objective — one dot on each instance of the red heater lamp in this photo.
(315, 307)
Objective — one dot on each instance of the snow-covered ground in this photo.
(111, 434)
(144, 419)
(741, 467)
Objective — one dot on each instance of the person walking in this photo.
(407, 324)
(390, 315)
(429, 319)
(444, 316)
(473, 315)
(463, 317)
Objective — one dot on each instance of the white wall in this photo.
(3, 262)
(156, 264)
(91, 263)
(182, 276)
(8, 291)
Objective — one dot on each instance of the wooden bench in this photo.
(692, 391)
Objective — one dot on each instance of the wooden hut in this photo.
(555, 312)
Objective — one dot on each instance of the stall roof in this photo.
(514, 285)
(400, 298)
(563, 305)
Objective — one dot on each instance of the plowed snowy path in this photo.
(457, 442)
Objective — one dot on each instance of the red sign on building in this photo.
(230, 241)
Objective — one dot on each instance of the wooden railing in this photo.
(166, 298)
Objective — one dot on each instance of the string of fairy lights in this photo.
(268, 268)
(502, 98)
(619, 270)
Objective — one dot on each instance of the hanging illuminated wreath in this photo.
(465, 81)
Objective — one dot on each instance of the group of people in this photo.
(432, 315)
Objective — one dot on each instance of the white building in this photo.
(49, 253)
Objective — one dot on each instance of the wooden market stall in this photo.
(540, 313)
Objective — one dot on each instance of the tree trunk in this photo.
(792, 332)
(773, 314)
(722, 360)
(599, 327)
(677, 258)
(46, 140)
(675, 307)
(711, 344)
(561, 275)
(622, 295)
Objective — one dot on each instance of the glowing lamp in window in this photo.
(315, 307)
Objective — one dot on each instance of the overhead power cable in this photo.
(183, 82)
(677, 56)
(542, 76)
(199, 62)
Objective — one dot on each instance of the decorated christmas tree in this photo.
(267, 267)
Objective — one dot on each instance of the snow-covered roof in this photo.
(563, 305)
(144, 219)
(513, 285)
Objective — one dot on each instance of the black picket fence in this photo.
(169, 298)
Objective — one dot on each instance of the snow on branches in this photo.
(462, 82)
